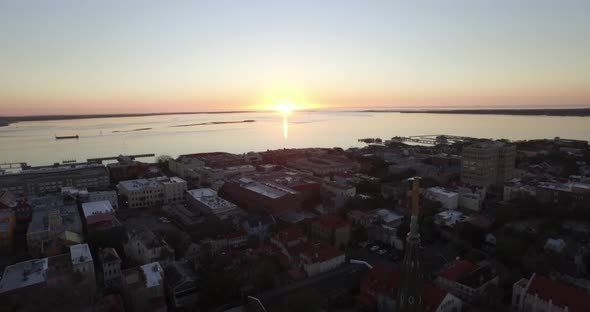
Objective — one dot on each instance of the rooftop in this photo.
(80, 254)
(441, 191)
(457, 270)
(153, 274)
(331, 221)
(209, 198)
(146, 276)
(267, 189)
(97, 207)
(24, 274)
(320, 252)
(387, 215)
(138, 184)
(561, 295)
(109, 254)
(50, 169)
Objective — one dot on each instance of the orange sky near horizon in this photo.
(72, 57)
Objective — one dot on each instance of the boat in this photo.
(67, 137)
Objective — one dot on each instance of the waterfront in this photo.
(34, 141)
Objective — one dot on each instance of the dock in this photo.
(101, 159)
(67, 137)
(432, 139)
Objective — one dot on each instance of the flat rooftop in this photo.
(442, 191)
(97, 207)
(80, 254)
(24, 274)
(209, 198)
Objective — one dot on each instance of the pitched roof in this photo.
(331, 221)
(320, 252)
(457, 270)
(560, 294)
(432, 297)
(289, 234)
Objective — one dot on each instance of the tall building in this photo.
(142, 193)
(488, 163)
(410, 291)
(49, 179)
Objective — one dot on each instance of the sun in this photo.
(285, 106)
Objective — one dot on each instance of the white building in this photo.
(238, 170)
(208, 202)
(555, 245)
(144, 246)
(471, 198)
(85, 196)
(143, 288)
(449, 217)
(540, 293)
(208, 176)
(111, 267)
(98, 207)
(184, 165)
(321, 258)
(515, 189)
(386, 217)
(82, 261)
(448, 199)
(111, 196)
(152, 192)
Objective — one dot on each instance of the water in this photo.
(34, 142)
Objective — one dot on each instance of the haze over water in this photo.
(34, 142)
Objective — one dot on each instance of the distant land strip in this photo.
(133, 130)
(581, 112)
(7, 120)
(214, 123)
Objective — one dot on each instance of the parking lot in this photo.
(154, 219)
(377, 253)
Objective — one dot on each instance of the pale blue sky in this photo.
(125, 56)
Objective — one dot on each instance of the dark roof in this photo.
(109, 254)
(457, 270)
(560, 294)
(331, 222)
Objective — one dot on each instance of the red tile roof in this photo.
(561, 294)
(381, 279)
(432, 297)
(330, 221)
(385, 280)
(457, 270)
(289, 234)
(320, 252)
(102, 217)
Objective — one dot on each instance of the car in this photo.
(382, 251)
(374, 248)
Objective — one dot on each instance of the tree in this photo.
(306, 299)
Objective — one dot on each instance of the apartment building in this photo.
(142, 193)
(488, 163)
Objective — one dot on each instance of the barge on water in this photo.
(67, 137)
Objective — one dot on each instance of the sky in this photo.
(140, 56)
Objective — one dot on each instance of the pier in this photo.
(101, 159)
(432, 139)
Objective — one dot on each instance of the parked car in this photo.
(382, 251)
(374, 248)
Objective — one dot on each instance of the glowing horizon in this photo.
(72, 57)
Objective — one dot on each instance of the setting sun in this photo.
(285, 106)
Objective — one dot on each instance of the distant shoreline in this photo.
(572, 112)
(7, 120)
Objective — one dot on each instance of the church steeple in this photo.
(410, 291)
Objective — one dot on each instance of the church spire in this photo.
(410, 291)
